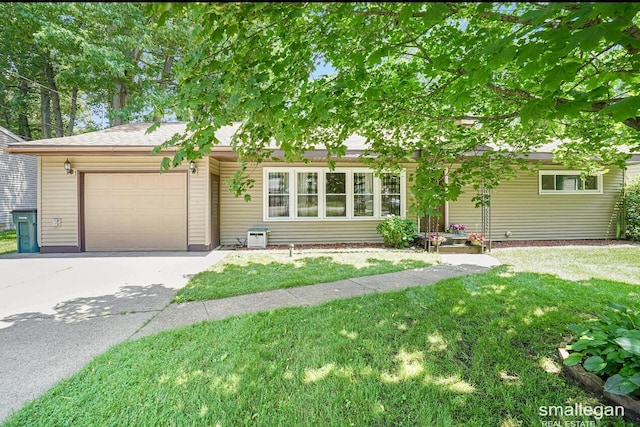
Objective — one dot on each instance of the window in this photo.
(363, 195)
(319, 193)
(390, 194)
(336, 194)
(569, 182)
(307, 194)
(278, 199)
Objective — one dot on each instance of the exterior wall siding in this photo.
(59, 195)
(516, 206)
(18, 180)
(238, 216)
(633, 172)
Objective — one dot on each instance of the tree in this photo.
(405, 74)
(73, 58)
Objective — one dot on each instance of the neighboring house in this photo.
(114, 198)
(633, 172)
(18, 180)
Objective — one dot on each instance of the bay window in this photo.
(319, 193)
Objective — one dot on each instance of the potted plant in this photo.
(436, 239)
(475, 239)
(457, 228)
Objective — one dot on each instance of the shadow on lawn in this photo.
(472, 350)
(236, 279)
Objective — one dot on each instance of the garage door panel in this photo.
(135, 211)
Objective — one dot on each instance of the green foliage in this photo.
(8, 242)
(610, 347)
(96, 52)
(404, 75)
(632, 209)
(245, 273)
(397, 232)
(408, 358)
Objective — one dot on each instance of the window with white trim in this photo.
(390, 194)
(322, 194)
(307, 203)
(278, 196)
(568, 182)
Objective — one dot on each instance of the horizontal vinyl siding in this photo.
(516, 206)
(214, 166)
(58, 199)
(237, 216)
(198, 190)
(59, 196)
(18, 181)
(633, 172)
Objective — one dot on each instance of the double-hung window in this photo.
(278, 194)
(363, 194)
(307, 203)
(391, 194)
(568, 182)
(323, 194)
(335, 194)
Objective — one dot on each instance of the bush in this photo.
(610, 348)
(632, 207)
(397, 232)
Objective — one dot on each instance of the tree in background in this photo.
(632, 209)
(405, 76)
(63, 62)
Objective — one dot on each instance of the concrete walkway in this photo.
(176, 315)
(40, 349)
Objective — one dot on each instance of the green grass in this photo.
(8, 242)
(620, 263)
(478, 350)
(250, 272)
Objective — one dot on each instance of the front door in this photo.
(437, 224)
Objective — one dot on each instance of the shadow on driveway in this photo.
(39, 349)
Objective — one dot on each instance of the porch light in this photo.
(67, 167)
(192, 167)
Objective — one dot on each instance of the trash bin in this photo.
(26, 221)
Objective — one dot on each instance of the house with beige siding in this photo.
(112, 196)
(18, 180)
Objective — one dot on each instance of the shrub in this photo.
(397, 232)
(610, 348)
(632, 207)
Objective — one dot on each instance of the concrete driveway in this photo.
(59, 311)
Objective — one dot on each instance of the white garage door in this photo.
(135, 211)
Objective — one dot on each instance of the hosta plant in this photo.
(610, 348)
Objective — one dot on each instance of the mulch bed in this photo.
(494, 245)
(544, 243)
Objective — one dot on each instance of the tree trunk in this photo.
(45, 112)
(23, 123)
(121, 95)
(118, 102)
(166, 72)
(72, 112)
(55, 100)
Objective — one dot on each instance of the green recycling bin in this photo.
(26, 222)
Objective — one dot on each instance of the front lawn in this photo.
(620, 263)
(250, 272)
(478, 350)
(8, 242)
